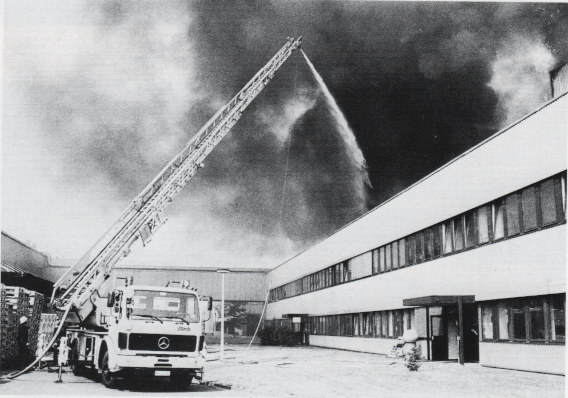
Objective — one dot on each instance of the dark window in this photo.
(470, 237)
(483, 216)
(518, 320)
(438, 239)
(397, 324)
(448, 237)
(536, 311)
(388, 258)
(548, 202)
(411, 249)
(419, 239)
(529, 209)
(557, 317)
(512, 204)
(458, 233)
(428, 244)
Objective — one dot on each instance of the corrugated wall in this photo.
(239, 285)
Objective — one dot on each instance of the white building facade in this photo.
(472, 257)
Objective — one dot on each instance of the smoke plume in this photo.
(102, 94)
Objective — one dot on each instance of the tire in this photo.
(77, 369)
(108, 379)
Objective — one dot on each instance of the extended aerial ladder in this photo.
(75, 291)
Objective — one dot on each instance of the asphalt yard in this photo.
(309, 372)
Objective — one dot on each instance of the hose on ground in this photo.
(55, 335)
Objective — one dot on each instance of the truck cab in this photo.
(145, 331)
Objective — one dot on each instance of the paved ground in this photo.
(313, 372)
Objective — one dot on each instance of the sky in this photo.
(99, 95)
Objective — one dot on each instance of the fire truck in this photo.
(123, 330)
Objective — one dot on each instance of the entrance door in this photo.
(439, 338)
(470, 333)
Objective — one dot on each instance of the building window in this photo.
(513, 225)
(503, 320)
(536, 312)
(458, 233)
(382, 260)
(408, 319)
(411, 249)
(375, 261)
(368, 324)
(394, 255)
(448, 228)
(377, 324)
(419, 239)
(487, 321)
(483, 224)
(498, 221)
(428, 244)
(402, 252)
(529, 208)
(470, 236)
(518, 322)
(391, 324)
(438, 239)
(557, 318)
(397, 323)
(385, 324)
(548, 202)
(388, 258)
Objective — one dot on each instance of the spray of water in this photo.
(343, 128)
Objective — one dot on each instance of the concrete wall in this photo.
(522, 154)
(531, 357)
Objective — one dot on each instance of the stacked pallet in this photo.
(47, 326)
(9, 323)
(34, 319)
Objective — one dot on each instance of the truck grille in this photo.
(161, 342)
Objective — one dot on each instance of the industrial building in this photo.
(472, 257)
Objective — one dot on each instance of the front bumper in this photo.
(159, 362)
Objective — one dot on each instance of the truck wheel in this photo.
(108, 378)
(77, 369)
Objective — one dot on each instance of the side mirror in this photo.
(209, 304)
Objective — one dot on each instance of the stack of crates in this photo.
(47, 327)
(34, 319)
(10, 298)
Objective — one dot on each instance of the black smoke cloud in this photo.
(416, 81)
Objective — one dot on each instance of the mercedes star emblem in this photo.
(163, 343)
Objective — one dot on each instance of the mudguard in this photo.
(111, 347)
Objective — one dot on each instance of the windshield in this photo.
(165, 306)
